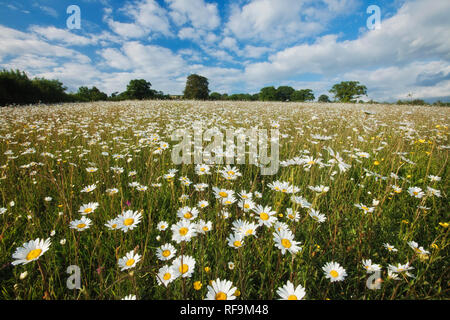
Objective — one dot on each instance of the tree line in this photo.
(16, 88)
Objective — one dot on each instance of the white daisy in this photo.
(30, 251)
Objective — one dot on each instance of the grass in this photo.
(410, 142)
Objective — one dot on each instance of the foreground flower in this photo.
(81, 224)
(166, 252)
(401, 269)
(129, 219)
(165, 275)
(30, 251)
(235, 240)
(288, 292)
(187, 213)
(334, 271)
(221, 290)
(183, 266)
(265, 215)
(370, 267)
(129, 261)
(88, 208)
(183, 231)
(416, 192)
(316, 215)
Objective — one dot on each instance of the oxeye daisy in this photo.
(162, 226)
(235, 240)
(183, 266)
(112, 191)
(401, 269)
(389, 247)
(317, 216)
(89, 188)
(364, 208)
(91, 169)
(129, 261)
(265, 215)
(165, 275)
(203, 227)
(370, 267)
(292, 215)
(416, 192)
(112, 224)
(419, 250)
(81, 224)
(166, 252)
(129, 219)
(289, 292)
(334, 271)
(30, 251)
(284, 240)
(187, 213)
(229, 200)
(203, 204)
(88, 208)
(222, 193)
(246, 205)
(183, 231)
(201, 169)
(221, 290)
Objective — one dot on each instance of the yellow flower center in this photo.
(365, 208)
(311, 162)
(221, 296)
(183, 268)
(88, 210)
(237, 243)
(264, 216)
(188, 215)
(223, 194)
(183, 231)
(166, 253)
(415, 193)
(202, 169)
(114, 226)
(128, 221)
(130, 262)
(292, 297)
(334, 273)
(33, 254)
(231, 173)
(249, 231)
(81, 225)
(167, 276)
(286, 243)
(205, 228)
(291, 216)
(246, 206)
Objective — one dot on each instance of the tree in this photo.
(268, 94)
(215, 96)
(324, 98)
(302, 95)
(139, 89)
(85, 94)
(284, 93)
(196, 87)
(348, 91)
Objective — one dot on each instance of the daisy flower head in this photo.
(317, 216)
(364, 208)
(91, 169)
(416, 192)
(81, 224)
(88, 208)
(165, 275)
(129, 261)
(166, 252)
(30, 251)
(433, 192)
(370, 267)
(284, 240)
(289, 292)
(203, 227)
(230, 173)
(129, 297)
(265, 215)
(89, 188)
(246, 204)
(200, 186)
(183, 266)
(292, 215)
(401, 269)
(112, 224)
(201, 169)
(162, 225)
(222, 193)
(319, 189)
(221, 290)
(184, 230)
(129, 219)
(419, 250)
(229, 200)
(334, 271)
(187, 213)
(235, 240)
(389, 247)
(203, 204)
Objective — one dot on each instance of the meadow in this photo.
(361, 192)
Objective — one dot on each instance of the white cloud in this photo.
(200, 14)
(62, 35)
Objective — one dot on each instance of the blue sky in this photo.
(240, 46)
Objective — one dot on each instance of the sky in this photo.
(239, 45)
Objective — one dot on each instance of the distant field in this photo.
(355, 182)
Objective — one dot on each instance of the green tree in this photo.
(196, 87)
(302, 95)
(284, 93)
(324, 98)
(215, 96)
(348, 91)
(139, 89)
(268, 94)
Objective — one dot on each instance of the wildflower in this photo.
(201, 169)
(246, 205)
(89, 188)
(129, 297)
(165, 275)
(203, 227)
(389, 247)
(81, 224)
(370, 267)
(288, 292)
(187, 213)
(316, 215)
(203, 204)
(183, 266)
(416, 192)
(334, 271)
(30, 251)
(364, 208)
(197, 285)
(129, 261)
(401, 269)
(292, 215)
(162, 226)
(112, 224)
(166, 252)
(129, 219)
(265, 215)
(419, 250)
(284, 240)
(434, 192)
(235, 240)
(88, 208)
(319, 189)
(221, 290)
(183, 231)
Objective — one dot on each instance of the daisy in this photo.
(419, 250)
(129, 297)
(166, 252)
(88, 208)
(397, 189)
(89, 188)
(112, 224)
(370, 267)
(235, 240)
(222, 193)
(284, 240)
(389, 247)
(316, 215)
(319, 189)
(401, 269)
(229, 200)
(434, 178)
(416, 192)
(288, 292)
(183, 266)
(245, 195)
(184, 230)
(165, 275)
(230, 173)
(200, 186)
(2, 210)
(82, 224)
(129, 219)
(112, 191)
(30, 251)
(301, 201)
(129, 261)
(162, 226)
(91, 169)
(292, 215)
(364, 208)
(187, 213)
(334, 271)
(265, 215)
(246, 205)
(203, 227)
(434, 192)
(221, 290)
(201, 169)
(203, 204)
